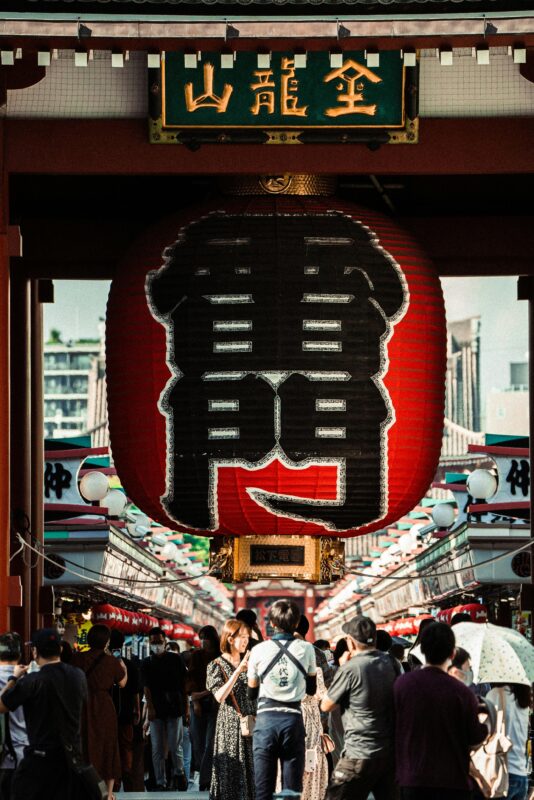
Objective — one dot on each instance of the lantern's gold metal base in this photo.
(311, 559)
(283, 183)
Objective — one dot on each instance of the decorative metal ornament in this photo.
(309, 559)
(303, 185)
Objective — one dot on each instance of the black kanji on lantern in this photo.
(277, 329)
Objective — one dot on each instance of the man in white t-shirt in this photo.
(281, 671)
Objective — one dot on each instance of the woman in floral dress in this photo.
(315, 781)
(232, 777)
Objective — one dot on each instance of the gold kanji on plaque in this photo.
(352, 100)
(209, 99)
(288, 96)
(264, 87)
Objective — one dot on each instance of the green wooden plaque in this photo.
(312, 92)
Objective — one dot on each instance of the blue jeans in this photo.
(187, 752)
(166, 731)
(278, 736)
(202, 738)
(517, 787)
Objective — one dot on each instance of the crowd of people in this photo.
(243, 717)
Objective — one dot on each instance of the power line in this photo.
(448, 572)
(133, 581)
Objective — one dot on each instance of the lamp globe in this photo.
(443, 515)
(481, 484)
(115, 501)
(94, 485)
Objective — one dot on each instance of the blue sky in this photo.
(504, 324)
(77, 308)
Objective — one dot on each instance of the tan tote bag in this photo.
(489, 761)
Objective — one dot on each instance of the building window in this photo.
(519, 375)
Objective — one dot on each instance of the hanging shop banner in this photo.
(319, 91)
(81, 627)
(285, 372)
(476, 611)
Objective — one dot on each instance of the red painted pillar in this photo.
(37, 449)
(21, 439)
(4, 395)
(240, 598)
(526, 292)
(309, 611)
(4, 432)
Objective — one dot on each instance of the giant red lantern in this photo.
(279, 371)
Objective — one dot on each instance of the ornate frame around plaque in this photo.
(263, 134)
(319, 560)
(332, 559)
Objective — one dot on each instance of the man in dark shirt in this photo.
(437, 724)
(164, 683)
(363, 688)
(52, 700)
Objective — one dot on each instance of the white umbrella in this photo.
(498, 655)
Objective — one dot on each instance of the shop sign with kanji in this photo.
(232, 93)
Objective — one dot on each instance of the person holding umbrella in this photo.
(498, 655)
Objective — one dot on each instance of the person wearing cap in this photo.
(281, 671)
(52, 700)
(363, 689)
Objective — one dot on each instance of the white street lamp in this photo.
(115, 502)
(94, 485)
(481, 484)
(443, 515)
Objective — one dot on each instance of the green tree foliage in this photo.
(200, 546)
(55, 337)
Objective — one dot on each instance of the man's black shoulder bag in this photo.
(88, 784)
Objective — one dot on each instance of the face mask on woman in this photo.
(467, 676)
